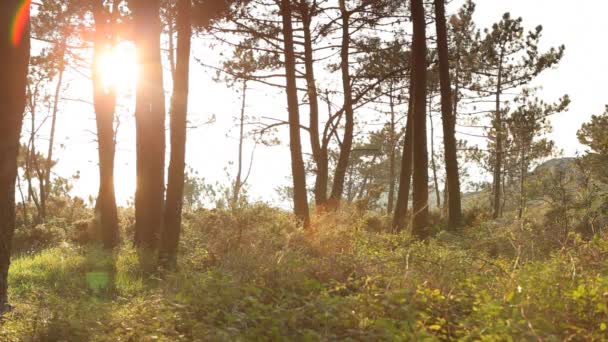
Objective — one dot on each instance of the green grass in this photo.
(255, 276)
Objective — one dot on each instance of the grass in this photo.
(254, 276)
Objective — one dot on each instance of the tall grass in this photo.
(253, 275)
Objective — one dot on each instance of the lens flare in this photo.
(117, 67)
(20, 22)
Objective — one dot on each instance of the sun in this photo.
(118, 67)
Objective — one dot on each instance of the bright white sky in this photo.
(580, 25)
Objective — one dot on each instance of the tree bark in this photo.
(104, 99)
(405, 176)
(420, 176)
(300, 199)
(347, 140)
(522, 182)
(238, 182)
(23, 202)
(498, 155)
(391, 157)
(14, 60)
(30, 161)
(49, 156)
(433, 163)
(319, 157)
(448, 115)
(150, 124)
(179, 110)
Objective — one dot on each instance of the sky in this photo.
(579, 25)
(213, 107)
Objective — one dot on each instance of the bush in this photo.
(253, 274)
(31, 239)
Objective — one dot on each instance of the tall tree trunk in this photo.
(238, 182)
(38, 158)
(503, 195)
(347, 141)
(446, 200)
(391, 157)
(420, 177)
(150, 124)
(349, 179)
(300, 199)
(313, 99)
(35, 164)
(323, 164)
(448, 115)
(522, 183)
(498, 146)
(179, 110)
(171, 36)
(433, 163)
(30, 163)
(23, 202)
(104, 98)
(49, 155)
(14, 60)
(405, 177)
(364, 189)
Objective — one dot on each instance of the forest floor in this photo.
(255, 276)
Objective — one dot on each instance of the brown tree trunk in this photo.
(150, 124)
(349, 180)
(347, 141)
(323, 164)
(448, 111)
(498, 155)
(35, 164)
(238, 182)
(405, 176)
(446, 200)
(179, 110)
(23, 201)
(30, 161)
(364, 189)
(391, 157)
(300, 199)
(40, 175)
(433, 163)
(313, 98)
(522, 182)
(14, 60)
(420, 177)
(171, 36)
(49, 156)
(104, 99)
(503, 195)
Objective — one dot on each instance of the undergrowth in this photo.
(253, 275)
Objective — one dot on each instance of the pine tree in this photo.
(509, 59)
(150, 124)
(405, 176)
(528, 125)
(449, 134)
(104, 98)
(420, 190)
(178, 112)
(318, 145)
(593, 135)
(300, 197)
(14, 59)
